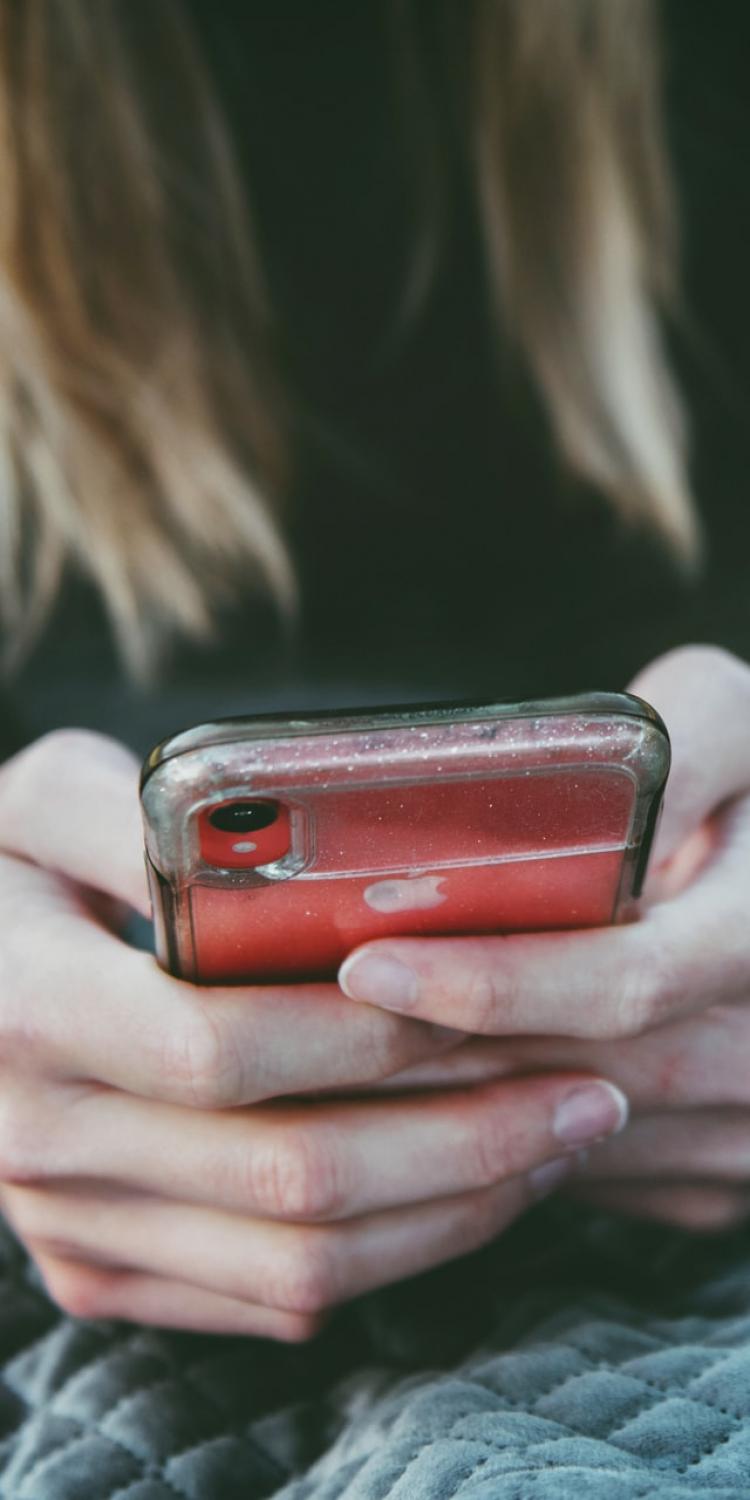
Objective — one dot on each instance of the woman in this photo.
(258, 265)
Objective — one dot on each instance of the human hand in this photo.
(150, 1155)
(659, 1006)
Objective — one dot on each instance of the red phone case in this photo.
(275, 846)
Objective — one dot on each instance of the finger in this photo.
(299, 1269)
(91, 1291)
(614, 982)
(694, 1144)
(85, 1007)
(611, 982)
(703, 695)
(69, 802)
(479, 1060)
(696, 1063)
(325, 1162)
(701, 1207)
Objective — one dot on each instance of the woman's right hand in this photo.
(151, 1157)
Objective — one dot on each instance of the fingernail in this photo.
(543, 1180)
(590, 1113)
(379, 979)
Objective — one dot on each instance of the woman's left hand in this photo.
(661, 1006)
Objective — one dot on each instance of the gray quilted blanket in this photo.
(575, 1359)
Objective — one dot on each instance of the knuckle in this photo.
(483, 1000)
(649, 991)
(382, 1048)
(299, 1176)
(487, 1147)
(304, 1281)
(201, 1063)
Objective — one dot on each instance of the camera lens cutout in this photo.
(244, 817)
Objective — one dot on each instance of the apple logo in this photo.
(416, 893)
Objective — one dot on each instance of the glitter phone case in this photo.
(276, 845)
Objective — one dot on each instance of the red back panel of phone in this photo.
(464, 830)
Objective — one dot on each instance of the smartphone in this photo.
(276, 845)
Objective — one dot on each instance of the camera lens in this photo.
(244, 817)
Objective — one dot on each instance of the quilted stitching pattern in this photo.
(93, 1411)
(586, 1395)
(582, 1415)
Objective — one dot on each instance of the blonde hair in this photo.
(579, 225)
(142, 420)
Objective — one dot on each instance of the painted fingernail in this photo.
(543, 1180)
(589, 1113)
(378, 979)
